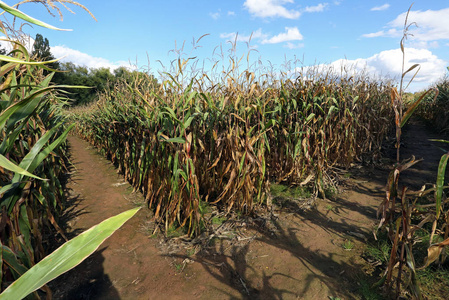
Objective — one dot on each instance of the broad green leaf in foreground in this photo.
(9, 165)
(66, 257)
(26, 62)
(15, 12)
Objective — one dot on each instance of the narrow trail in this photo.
(299, 256)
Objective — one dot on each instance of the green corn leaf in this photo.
(26, 62)
(6, 68)
(187, 123)
(319, 107)
(9, 165)
(4, 116)
(66, 257)
(440, 183)
(25, 228)
(179, 140)
(242, 161)
(171, 113)
(310, 117)
(27, 161)
(43, 154)
(441, 141)
(21, 15)
(10, 258)
(8, 142)
(331, 110)
(412, 108)
(7, 187)
(24, 113)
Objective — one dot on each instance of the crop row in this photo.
(186, 146)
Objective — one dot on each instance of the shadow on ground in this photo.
(88, 280)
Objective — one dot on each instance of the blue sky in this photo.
(366, 33)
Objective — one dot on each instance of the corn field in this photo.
(434, 110)
(33, 154)
(189, 142)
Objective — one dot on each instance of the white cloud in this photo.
(382, 7)
(317, 8)
(258, 34)
(215, 16)
(433, 25)
(271, 8)
(27, 41)
(389, 63)
(423, 44)
(82, 59)
(291, 34)
(78, 58)
(231, 13)
(291, 45)
(393, 32)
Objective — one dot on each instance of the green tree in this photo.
(42, 52)
(41, 48)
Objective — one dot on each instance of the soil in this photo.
(292, 254)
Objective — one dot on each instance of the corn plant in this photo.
(198, 138)
(32, 155)
(66, 257)
(433, 109)
(402, 212)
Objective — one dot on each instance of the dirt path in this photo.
(296, 256)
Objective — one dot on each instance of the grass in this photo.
(434, 281)
(348, 245)
(329, 207)
(178, 267)
(282, 190)
(175, 231)
(190, 252)
(218, 220)
(379, 251)
(330, 192)
(366, 291)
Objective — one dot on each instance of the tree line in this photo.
(98, 79)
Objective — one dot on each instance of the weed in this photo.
(330, 207)
(434, 280)
(281, 190)
(179, 267)
(379, 251)
(348, 245)
(175, 231)
(218, 220)
(330, 192)
(190, 252)
(367, 291)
